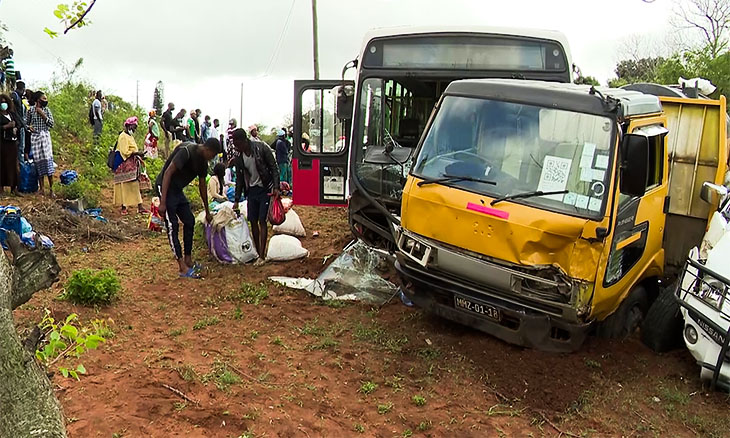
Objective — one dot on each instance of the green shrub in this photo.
(82, 188)
(89, 287)
(154, 167)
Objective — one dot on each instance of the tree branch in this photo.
(80, 19)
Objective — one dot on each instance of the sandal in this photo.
(192, 273)
(143, 211)
(125, 212)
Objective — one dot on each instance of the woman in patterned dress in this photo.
(40, 121)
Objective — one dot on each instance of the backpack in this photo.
(91, 114)
(111, 157)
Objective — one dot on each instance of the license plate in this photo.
(490, 312)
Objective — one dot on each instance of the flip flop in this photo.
(191, 274)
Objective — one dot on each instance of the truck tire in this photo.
(663, 325)
(628, 317)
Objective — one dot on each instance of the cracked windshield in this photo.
(521, 148)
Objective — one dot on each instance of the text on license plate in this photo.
(481, 309)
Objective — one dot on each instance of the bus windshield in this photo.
(522, 149)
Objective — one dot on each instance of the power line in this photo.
(275, 54)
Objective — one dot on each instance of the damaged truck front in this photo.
(534, 210)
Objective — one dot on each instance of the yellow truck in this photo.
(539, 211)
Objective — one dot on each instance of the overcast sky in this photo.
(203, 51)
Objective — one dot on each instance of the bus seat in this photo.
(409, 132)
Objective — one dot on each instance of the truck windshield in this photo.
(522, 148)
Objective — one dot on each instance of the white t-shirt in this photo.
(98, 113)
(214, 133)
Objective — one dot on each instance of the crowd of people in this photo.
(25, 123)
(202, 151)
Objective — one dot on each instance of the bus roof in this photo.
(552, 35)
(556, 94)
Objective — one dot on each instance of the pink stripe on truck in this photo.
(486, 210)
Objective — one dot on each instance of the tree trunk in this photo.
(28, 406)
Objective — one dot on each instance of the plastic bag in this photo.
(240, 243)
(292, 225)
(276, 216)
(28, 178)
(287, 203)
(10, 220)
(284, 248)
(68, 176)
(231, 194)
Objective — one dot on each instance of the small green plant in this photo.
(187, 372)
(424, 426)
(250, 294)
(408, 433)
(368, 387)
(88, 287)
(419, 400)
(278, 341)
(385, 408)
(83, 189)
(359, 428)
(254, 334)
(324, 344)
(590, 363)
(206, 322)
(429, 353)
(176, 332)
(102, 327)
(68, 339)
(222, 376)
(237, 313)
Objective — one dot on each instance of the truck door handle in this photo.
(305, 165)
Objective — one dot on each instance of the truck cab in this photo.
(535, 211)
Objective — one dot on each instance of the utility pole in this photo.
(240, 119)
(315, 39)
(137, 92)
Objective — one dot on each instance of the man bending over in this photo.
(187, 161)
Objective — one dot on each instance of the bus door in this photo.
(322, 121)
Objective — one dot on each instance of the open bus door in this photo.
(322, 122)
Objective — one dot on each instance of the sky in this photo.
(207, 52)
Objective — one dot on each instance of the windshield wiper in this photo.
(527, 195)
(453, 178)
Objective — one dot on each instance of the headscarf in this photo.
(131, 121)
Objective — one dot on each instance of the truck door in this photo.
(320, 143)
(636, 247)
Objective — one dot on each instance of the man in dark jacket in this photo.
(257, 176)
(167, 126)
(17, 96)
(283, 147)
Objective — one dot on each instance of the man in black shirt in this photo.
(167, 126)
(187, 162)
(257, 175)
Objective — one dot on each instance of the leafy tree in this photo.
(159, 97)
(708, 18)
(586, 80)
(630, 71)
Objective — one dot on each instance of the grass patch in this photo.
(673, 395)
(419, 400)
(429, 353)
(278, 341)
(333, 304)
(250, 294)
(384, 408)
(206, 322)
(237, 313)
(590, 363)
(187, 372)
(324, 344)
(424, 426)
(368, 387)
(359, 428)
(176, 332)
(312, 329)
(380, 337)
(222, 376)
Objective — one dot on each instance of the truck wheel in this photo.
(663, 325)
(627, 318)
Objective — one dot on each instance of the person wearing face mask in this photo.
(127, 175)
(39, 120)
(9, 128)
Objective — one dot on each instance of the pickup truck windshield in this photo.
(523, 149)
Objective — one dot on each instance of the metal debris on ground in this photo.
(352, 277)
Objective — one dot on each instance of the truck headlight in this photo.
(690, 333)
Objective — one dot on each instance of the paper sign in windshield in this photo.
(554, 176)
(586, 158)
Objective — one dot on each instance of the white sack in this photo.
(240, 243)
(292, 225)
(284, 248)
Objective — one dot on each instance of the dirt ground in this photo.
(204, 359)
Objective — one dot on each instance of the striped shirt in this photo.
(37, 122)
(10, 68)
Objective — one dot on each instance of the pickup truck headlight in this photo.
(690, 333)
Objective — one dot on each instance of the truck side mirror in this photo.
(634, 164)
(345, 102)
(710, 191)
